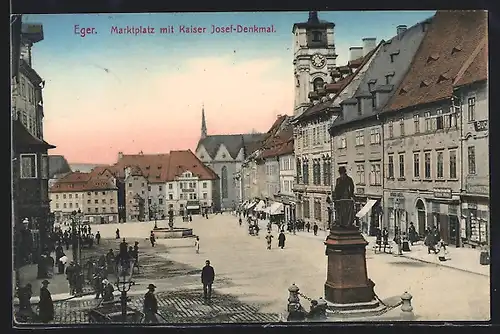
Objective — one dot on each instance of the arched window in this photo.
(318, 84)
(223, 181)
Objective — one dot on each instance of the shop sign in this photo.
(396, 194)
(453, 210)
(481, 125)
(360, 191)
(187, 190)
(442, 193)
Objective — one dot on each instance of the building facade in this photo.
(421, 132)
(357, 132)
(471, 92)
(95, 196)
(272, 175)
(30, 163)
(225, 154)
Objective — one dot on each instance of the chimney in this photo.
(355, 52)
(120, 155)
(401, 29)
(369, 43)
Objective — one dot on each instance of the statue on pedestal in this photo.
(343, 198)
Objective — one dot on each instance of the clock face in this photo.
(318, 60)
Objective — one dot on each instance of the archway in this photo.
(420, 208)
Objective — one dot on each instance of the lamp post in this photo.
(124, 282)
(75, 228)
(154, 209)
(397, 226)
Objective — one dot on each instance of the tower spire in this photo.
(313, 17)
(203, 122)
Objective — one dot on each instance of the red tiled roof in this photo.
(77, 182)
(281, 145)
(476, 69)
(273, 131)
(181, 161)
(160, 168)
(451, 39)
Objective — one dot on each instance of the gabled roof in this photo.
(279, 125)
(181, 161)
(476, 69)
(77, 182)
(451, 39)
(233, 143)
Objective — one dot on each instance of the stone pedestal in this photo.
(347, 285)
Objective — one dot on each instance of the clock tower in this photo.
(313, 59)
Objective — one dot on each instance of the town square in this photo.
(348, 185)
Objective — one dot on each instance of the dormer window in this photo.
(424, 83)
(316, 36)
(456, 48)
(432, 57)
(371, 84)
(393, 55)
(388, 78)
(402, 91)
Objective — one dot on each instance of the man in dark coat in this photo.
(117, 234)
(207, 279)
(315, 229)
(412, 234)
(152, 239)
(150, 305)
(46, 306)
(97, 237)
(281, 240)
(344, 198)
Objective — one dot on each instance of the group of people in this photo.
(45, 305)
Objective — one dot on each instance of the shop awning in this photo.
(250, 205)
(260, 206)
(366, 208)
(192, 207)
(276, 209)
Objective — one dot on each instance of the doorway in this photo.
(454, 231)
(420, 206)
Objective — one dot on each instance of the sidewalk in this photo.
(464, 259)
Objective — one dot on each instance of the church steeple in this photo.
(203, 123)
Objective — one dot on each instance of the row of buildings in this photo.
(31, 217)
(139, 187)
(407, 117)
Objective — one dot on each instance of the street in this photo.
(246, 269)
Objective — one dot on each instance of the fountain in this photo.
(172, 232)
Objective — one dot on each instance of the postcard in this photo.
(265, 168)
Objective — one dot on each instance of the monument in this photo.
(347, 288)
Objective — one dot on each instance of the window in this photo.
(402, 127)
(111, 201)
(160, 188)
(306, 137)
(360, 109)
(194, 196)
(316, 36)
(375, 136)
(326, 137)
(88, 209)
(427, 159)
(327, 172)
(160, 201)
(439, 119)
(205, 195)
(453, 164)
(112, 209)
(317, 209)
(89, 193)
(88, 201)
(76, 205)
(96, 210)
(96, 201)
(45, 167)
(305, 169)
(103, 209)
(28, 166)
(416, 122)
(64, 205)
(316, 172)
(71, 205)
(170, 186)
(170, 196)
(181, 185)
(390, 167)
(401, 159)
(440, 164)
(471, 153)
(428, 121)
(76, 195)
(307, 211)
(391, 130)
(142, 184)
(342, 142)
(471, 109)
(374, 100)
(375, 175)
(360, 173)
(360, 138)
(103, 201)
(416, 165)
(149, 188)
(204, 185)
(64, 196)
(70, 195)
(57, 196)
(57, 205)
(298, 169)
(224, 184)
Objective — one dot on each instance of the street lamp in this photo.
(75, 227)
(124, 282)
(154, 209)
(397, 225)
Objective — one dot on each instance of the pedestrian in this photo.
(46, 305)
(308, 227)
(442, 250)
(269, 238)
(98, 287)
(152, 238)
(150, 307)
(207, 279)
(190, 218)
(70, 276)
(24, 295)
(281, 240)
(97, 237)
(117, 233)
(197, 245)
(108, 291)
(385, 237)
(378, 236)
(315, 229)
(412, 234)
(62, 263)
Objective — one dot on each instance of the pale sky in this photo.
(106, 93)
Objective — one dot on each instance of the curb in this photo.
(444, 265)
